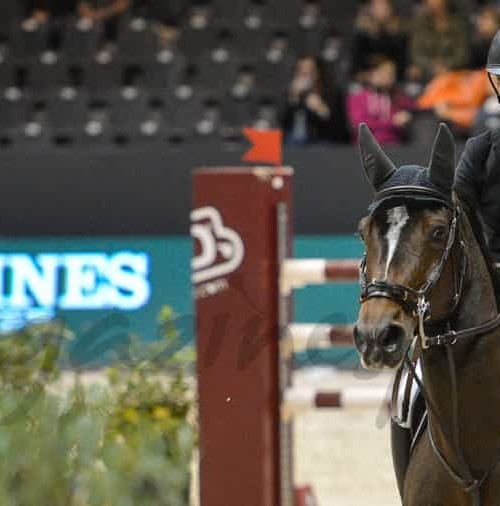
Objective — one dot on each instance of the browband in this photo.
(412, 193)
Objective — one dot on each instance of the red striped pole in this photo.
(300, 399)
(298, 273)
(342, 270)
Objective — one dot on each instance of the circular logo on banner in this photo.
(221, 251)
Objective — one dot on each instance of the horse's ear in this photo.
(442, 163)
(377, 166)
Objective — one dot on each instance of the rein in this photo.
(416, 303)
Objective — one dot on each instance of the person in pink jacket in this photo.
(380, 105)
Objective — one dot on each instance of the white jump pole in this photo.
(300, 337)
(300, 273)
(297, 400)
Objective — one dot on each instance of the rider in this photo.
(477, 184)
(477, 178)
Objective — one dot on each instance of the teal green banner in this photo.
(109, 288)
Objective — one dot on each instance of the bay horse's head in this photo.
(408, 235)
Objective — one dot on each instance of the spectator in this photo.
(106, 11)
(438, 43)
(485, 27)
(313, 112)
(456, 97)
(378, 31)
(381, 106)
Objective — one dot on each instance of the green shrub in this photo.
(126, 444)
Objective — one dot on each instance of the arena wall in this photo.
(147, 190)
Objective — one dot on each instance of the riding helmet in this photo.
(493, 65)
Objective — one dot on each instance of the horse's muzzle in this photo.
(380, 346)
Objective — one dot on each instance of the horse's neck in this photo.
(478, 371)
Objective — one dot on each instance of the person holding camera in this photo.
(313, 113)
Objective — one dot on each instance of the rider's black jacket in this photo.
(477, 182)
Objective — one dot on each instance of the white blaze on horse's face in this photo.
(397, 218)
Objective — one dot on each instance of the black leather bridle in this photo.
(416, 303)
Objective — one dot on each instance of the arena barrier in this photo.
(243, 277)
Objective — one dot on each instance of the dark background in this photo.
(147, 191)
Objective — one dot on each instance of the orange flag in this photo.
(267, 146)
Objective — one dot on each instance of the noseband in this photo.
(415, 302)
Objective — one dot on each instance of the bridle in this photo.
(416, 303)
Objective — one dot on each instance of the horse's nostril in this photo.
(392, 337)
(359, 341)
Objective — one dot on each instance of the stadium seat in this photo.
(339, 15)
(81, 40)
(251, 41)
(28, 40)
(102, 76)
(152, 127)
(236, 113)
(309, 34)
(66, 114)
(230, 12)
(332, 49)
(267, 114)
(7, 72)
(160, 74)
(273, 75)
(216, 72)
(97, 130)
(206, 128)
(183, 112)
(129, 113)
(336, 61)
(35, 132)
(47, 74)
(14, 106)
(244, 83)
(197, 34)
(283, 14)
(137, 41)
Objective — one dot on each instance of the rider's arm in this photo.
(470, 172)
(473, 186)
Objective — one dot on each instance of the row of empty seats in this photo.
(215, 74)
(274, 14)
(230, 67)
(69, 116)
(140, 42)
(261, 60)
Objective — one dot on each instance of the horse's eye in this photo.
(439, 233)
(363, 224)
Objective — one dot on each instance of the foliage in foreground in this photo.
(126, 444)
